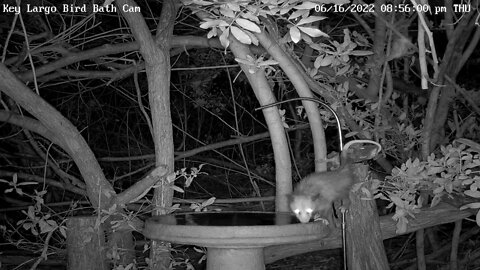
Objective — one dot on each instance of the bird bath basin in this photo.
(234, 240)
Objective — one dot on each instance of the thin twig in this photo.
(43, 256)
(455, 242)
(420, 247)
(140, 103)
(430, 39)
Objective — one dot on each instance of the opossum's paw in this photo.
(343, 209)
(346, 203)
(318, 218)
(342, 205)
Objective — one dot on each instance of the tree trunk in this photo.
(365, 250)
(85, 244)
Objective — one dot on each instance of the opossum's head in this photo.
(303, 206)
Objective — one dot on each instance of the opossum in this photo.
(316, 192)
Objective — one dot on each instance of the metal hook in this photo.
(339, 126)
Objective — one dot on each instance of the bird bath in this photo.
(234, 240)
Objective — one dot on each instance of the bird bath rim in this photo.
(165, 228)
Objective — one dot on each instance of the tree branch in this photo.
(140, 188)
(30, 124)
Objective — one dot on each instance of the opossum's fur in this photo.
(316, 192)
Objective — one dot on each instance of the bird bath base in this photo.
(234, 240)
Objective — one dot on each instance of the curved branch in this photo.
(30, 124)
(140, 188)
(261, 88)
(99, 190)
(185, 42)
(295, 76)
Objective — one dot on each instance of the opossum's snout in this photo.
(303, 208)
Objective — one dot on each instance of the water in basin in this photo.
(230, 219)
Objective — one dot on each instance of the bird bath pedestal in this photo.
(234, 240)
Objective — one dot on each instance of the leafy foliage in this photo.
(101, 115)
(455, 171)
(243, 20)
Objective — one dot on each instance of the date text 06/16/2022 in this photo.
(401, 8)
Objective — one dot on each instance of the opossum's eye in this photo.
(309, 210)
(296, 211)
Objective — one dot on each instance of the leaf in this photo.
(198, 250)
(130, 266)
(310, 19)
(345, 58)
(44, 226)
(233, 6)
(209, 201)
(195, 207)
(249, 16)
(323, 61)
(227, 12)
(26, 226)
(467, 182)
(52, 223)
(252, 37)
(449, 187)
(63, 231)
(248, 25)
(189, 181)
(178, 189)
(401, 225)
(295, 34)
(436, 200)
(471, 193)
(224, 38)
(107, 3)
(306, 5)
(19, 191)
(343, 70)
(318, 47)
(313, 32)
(298, 13)
(361, 53)
(477, 218)
(475, 146)
(307, 39)
(240, 35)
(213, 23)
(284, 10)
(171, 177)
(452, 161)
(434, 170)
(247, 62)
(41, 193)
(31, 213)
(475, 205)
(438, 190)
(202, 3)
(350, 134)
